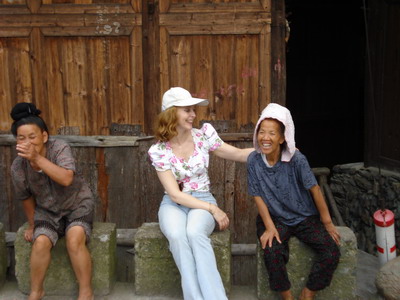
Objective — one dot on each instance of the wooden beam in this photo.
(278, 52)
(100, 141)
(151, 59)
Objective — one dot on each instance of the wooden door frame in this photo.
(375, 86)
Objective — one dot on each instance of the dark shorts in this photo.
(53, 233)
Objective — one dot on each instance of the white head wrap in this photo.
(282, 114)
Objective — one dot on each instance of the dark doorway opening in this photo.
(325, 79)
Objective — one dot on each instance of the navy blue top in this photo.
(284, 187)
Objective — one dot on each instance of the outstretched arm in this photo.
(227, 151)
(270, 232)
(324, 213)
(169, 183)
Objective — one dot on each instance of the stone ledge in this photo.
(155, 269)
(60, 278)
(343, 285)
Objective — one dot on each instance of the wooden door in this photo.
(79, 61)
(218, 50)
(89, 64)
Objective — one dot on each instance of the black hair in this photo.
(24, 113)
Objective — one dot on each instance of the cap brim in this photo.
(192, 101)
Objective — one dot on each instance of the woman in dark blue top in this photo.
(289, 202)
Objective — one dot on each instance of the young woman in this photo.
(56, 201)
(289, 202)
(188, 210)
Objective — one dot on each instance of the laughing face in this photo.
(185, 116)
(32, 134)
(270, 138)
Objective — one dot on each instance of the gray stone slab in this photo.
(343, 285)
(367, 268)
(155, 269)
(60, 278)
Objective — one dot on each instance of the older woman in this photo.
(290, 203)
(55, 199)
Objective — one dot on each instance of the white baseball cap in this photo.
(178, 96)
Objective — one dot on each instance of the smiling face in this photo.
(33, 134)
(270, 138)
(185, 116)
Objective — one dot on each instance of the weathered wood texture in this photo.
(79, 61)
(279, 32)
(89, 64)
(219, 51)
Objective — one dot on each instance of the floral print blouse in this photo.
(191, 174)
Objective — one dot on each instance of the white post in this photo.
(385, 237)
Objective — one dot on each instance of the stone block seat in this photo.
(60, 277)
(3, 255)
(155, 269)
(388, 279)
(343, 285)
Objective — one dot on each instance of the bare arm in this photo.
(270, 232)
(29, 209)
(227, 151)
(324, 213)
(58, 174)
(169, 183)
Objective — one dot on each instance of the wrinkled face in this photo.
(270, 138)
(185, 116)
(31, 133)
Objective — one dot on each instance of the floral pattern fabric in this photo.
(193, 173)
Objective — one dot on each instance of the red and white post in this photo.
(385, 237)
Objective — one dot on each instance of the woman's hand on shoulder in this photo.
(268, 237)
(220, 216)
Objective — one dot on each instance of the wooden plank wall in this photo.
(128, 192)
(219, 50)
(88, 64)
(79, 61)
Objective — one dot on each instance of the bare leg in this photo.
(80, 260)
(307, 294)
(287, 295)
(40, 260)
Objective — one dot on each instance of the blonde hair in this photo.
(165, 126)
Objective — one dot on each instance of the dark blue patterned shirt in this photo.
(284, 187)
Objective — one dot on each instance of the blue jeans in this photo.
(188, 231)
